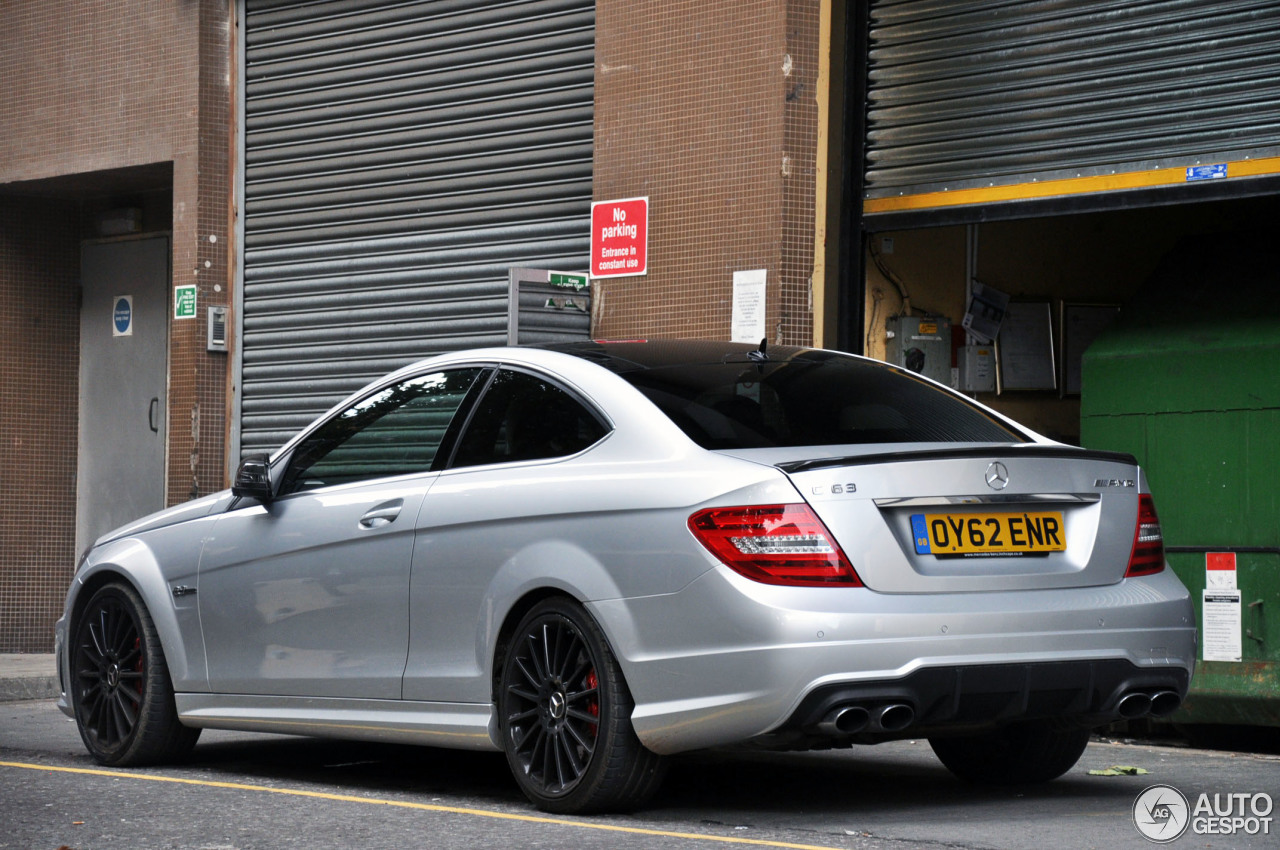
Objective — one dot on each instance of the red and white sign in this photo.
(620, 237)
(1220, 570)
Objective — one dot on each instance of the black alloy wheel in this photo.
(565, 715)
(120, 688)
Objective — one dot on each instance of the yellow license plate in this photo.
(958, 534)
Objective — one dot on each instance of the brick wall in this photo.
(197, 379)
(92, 86)
(39, 343)
(709, 109)
(100, 100)
(800, 148)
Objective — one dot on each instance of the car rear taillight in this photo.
(775, 544)
(1147, 557)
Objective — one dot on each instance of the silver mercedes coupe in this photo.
(594, 555)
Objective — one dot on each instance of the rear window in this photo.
(819, 398)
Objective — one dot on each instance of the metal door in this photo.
(981, 95)
(398, 159)
(124, 344)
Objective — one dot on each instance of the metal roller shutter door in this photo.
(399, 158)
(975, 93)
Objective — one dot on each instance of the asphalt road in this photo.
(245, 792)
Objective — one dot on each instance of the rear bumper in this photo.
(941, 700)
(728, 660)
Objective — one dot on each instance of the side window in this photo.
(395, 431)
(521, 417)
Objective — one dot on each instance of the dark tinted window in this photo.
(395, 431)
(815, 399)
(522, 417)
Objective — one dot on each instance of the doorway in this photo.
(124, 348)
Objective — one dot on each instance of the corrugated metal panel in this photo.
(400, 158)
(543, 311)
(969, 93)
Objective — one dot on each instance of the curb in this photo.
(30, 687)
(25, 676)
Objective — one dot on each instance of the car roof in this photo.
(623, 356)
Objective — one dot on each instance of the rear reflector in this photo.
(775, 544)
(1147, 557)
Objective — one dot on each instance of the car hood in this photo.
(170, 516)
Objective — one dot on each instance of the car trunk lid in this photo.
(977, 518)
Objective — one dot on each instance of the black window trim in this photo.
(473, 403)
(281, 463)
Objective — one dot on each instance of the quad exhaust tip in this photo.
(1165, 703)
(894, 718)
(852, 719)
(845, 720)
(1137, 704)
(1133, 705)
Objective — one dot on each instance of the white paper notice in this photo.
(1221, 631)
(748, 306)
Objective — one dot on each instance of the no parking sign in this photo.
(620, 237)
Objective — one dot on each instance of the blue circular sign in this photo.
(123, 315)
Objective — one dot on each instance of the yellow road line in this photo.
(429, 807)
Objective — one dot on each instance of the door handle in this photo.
(381, 515)
(152, 409)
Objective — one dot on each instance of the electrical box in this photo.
(921, 345)
(217, 329)
(977, 364)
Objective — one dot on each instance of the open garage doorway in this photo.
(1057, 267)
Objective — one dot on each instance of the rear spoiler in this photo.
(1029, 450)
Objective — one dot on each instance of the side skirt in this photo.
(464, 726)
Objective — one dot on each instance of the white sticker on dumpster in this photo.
(1221, 630)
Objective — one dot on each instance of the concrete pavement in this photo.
(27, 677)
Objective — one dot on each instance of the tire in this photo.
(1013, 755)
(565, 717)
(120, 688)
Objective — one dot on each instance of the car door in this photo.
(308, 595)
(506, 489)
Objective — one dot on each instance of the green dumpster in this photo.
(1187, 379)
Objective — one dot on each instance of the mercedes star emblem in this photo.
(997, 476)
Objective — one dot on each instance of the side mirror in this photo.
(253, 479)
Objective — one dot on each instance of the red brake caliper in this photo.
(593, 704)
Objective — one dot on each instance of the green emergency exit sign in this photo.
(568, 280)
(184, 302)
